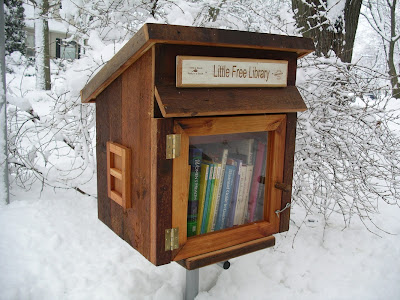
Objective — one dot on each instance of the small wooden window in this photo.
(118, 174)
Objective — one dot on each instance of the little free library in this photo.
(195, 141)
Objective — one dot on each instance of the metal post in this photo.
(192, 284)
(4, 197)
(192, 280)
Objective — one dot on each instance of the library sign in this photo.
(200, 71)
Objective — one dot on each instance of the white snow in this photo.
(335, 10)
(53, 247)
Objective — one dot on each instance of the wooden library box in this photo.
(195, 141)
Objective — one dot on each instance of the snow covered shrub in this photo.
(346, 149)
(51, 134)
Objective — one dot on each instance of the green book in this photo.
(214, 196)
(195, 158)
(204, 170)
(207, 200)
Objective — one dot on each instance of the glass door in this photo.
(227, 181)
(223, 182)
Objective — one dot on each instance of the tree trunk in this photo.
(351, 16)
(42, 57)
(312, 23)
(394, 79)
(4, 192)
(311, 18)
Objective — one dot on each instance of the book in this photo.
(217, 180)
(226, 194)
(195, 157)
(246, 192)
(235, 192)
(260, 154)
(259, 210)
(202, 194)
(241, 205)
(207, 200)
(246, 148)
(220, 183)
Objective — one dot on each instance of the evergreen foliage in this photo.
(14, 26)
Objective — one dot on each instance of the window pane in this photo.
(227, 181)
(68, 51)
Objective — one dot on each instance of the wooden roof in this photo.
(151, 34)
(175, 102)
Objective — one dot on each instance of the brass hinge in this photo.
(171, 239)
(173, 146)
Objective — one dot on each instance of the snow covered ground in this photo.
(53, 247)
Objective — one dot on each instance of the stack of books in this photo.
(227, 184)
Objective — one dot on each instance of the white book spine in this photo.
(240, 204)
(249, 177)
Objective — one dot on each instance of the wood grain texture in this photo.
(114, 99)
(102, 136)
(115, 196)
(116, 173)
(292, 71)
(115, 149)
(228, 125)
(222, 239)
(162, 183)
(180, 186)
(288, 169)
(175, 102)
(228, 38)
(119, 174)
(166, 56)
(137, 107)
(106, 130)
(125, 57)
(110, 180)
(151, 34)
(274, 173)
(227, 253)
(117, 217)
(126, 178)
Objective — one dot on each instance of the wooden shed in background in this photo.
(148, 117)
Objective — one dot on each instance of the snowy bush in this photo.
(346, 149)
(51, 134)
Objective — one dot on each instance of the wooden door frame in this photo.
(202, 126)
